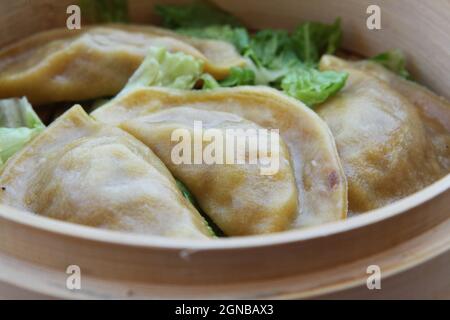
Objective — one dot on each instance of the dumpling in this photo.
(62, 65)
(433, 110)
(81, 171)
(319, 177)
(240, 197)
(382, 141)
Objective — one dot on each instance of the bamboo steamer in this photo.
(409, 240)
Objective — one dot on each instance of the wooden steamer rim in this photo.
(137, 276)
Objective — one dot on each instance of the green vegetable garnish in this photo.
(186, 193)
(312, 86)
(203, 20)
(239, 77)
(213, 228)
(195, 15)
(105, 11)
(162, 68)
(276, 53)
(275, 57)
(209, 82)
(237, 36)
(271, 56)
(272, 49)
(313, 39)
(18, 125)
(393, 60)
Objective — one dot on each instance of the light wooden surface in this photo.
(410, 239)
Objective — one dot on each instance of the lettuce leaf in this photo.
(313, 39)
(212, 227)
(237, 36)
(276, 58)
(267, 48)
(312, 86)
(19, 124)
(393, 60)
(208, 82)
(237, 77)
(275, 53)
(195, 15)
(162, 68)
(18, 113)
(203, 20)
(272, 49)
(105, 11)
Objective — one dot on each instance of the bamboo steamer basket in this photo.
(409, 240)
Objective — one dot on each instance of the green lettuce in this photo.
(161, 68)
(272, 49)
(165, 69)
(312, 86)
(237, 36)
(202, 20)
(271, 56)
(104, 11)
(277, 49)
(19, 124)
(237, 77)
(276, 58)
(274, 54)
(267, 48)
(195, 15)
(186, 193)
(393, 60)
(287, 62)
(208, 82)
(212, 227)
(313, 39)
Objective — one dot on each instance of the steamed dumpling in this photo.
(242, 199)
(382, 141)
(81, 171)
(433, 109)
(319, 178)
(63, 65)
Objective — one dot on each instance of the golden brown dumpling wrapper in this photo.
(433, 109)
(241, 198)
(84, 172)
(382, 141)
(67, 65)
(321, 184)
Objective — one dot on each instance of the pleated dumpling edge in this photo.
(74, 65)
(320, 179)
(85, 172)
